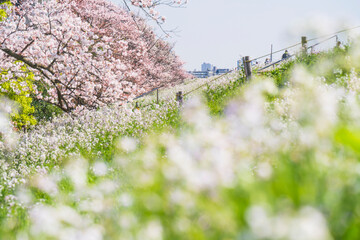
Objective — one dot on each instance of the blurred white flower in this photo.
(46, 184)
(152, 231)
(99, 168)
(264, 170)
(308, 223)
(77, 171)
(125, 200)
(128, 144)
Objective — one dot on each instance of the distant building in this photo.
(208, 70)
(202, 74)
(222, 71)
(206, 67)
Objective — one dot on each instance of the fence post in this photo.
(338, 43)
(157, 96)
(304, 45)
(136, 108)
(247, 67)
(179, 98)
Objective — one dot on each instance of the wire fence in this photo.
(335, 33)
(275, 63)
(281, 50)
(182, 95)
(147, 93)
(293, 55)
(213, 80)
(304, 48)
(327, 36)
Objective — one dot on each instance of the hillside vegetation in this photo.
(276, 157)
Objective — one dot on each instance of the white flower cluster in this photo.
(8, 137)
(66, 136)
(189, 181)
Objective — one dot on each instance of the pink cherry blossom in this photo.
(85, 53)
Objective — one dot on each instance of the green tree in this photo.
(19, 90)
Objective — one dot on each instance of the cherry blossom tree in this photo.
(84, 53)
(150, 61)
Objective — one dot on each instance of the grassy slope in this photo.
(217, 100)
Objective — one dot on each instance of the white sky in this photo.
(220, 31)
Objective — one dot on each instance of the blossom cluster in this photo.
(84, 53)
(151, 5)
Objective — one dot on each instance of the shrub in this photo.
(19, 89)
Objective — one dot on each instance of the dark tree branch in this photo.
(19, 57)
(28, 45)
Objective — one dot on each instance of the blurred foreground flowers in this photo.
(281, 163)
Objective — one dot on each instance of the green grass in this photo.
(218, 98)
(298, 180)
